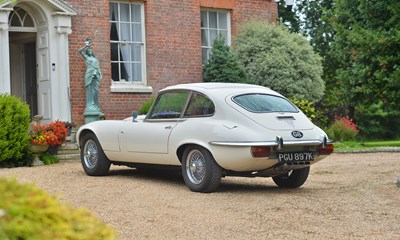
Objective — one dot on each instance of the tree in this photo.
(314, 20)
(276, 58)
(288, 17)
(223, 65)
(368, 48)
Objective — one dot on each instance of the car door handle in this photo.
(168, 127)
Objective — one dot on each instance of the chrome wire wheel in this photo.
(196, 166)
(200, 171)
(90, 154)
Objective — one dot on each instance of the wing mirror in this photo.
(134, 116)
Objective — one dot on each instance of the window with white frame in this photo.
(214, 23)
(128, 66)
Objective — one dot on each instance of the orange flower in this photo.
(59, 131)
(39, 135)
(54, 133)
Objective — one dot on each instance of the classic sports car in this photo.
(211, 130)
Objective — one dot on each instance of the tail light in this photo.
(326, 150)
(260, 151)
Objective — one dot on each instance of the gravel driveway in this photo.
(347, 196)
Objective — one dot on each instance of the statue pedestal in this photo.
(91, 116)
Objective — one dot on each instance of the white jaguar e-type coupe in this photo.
(211, 130)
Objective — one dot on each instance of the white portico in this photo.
(34, 55)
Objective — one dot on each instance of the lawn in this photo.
(373, 145)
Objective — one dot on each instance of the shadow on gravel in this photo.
(253, 188)
(146, 174)
(228, 184)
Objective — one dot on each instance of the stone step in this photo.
(68, 149)
(69, 157)
(69, 146)
(72, 137)
(68, 152)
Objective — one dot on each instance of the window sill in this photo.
(130, 88)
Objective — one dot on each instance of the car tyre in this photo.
(93, 159)
(200, 171)
(292, 179)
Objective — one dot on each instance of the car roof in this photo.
(226, 88)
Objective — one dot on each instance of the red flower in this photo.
(59, 132)
(347, 123)
(39, 135)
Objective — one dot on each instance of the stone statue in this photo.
(92, 82)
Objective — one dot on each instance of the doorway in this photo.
(23, 68)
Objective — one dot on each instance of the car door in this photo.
(148, 137)
(152, 135)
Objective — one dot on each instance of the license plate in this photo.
(296, 157)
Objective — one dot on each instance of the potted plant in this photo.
(39, 138)
(70, 126)
(60, 131)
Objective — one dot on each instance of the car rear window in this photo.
(262, 103)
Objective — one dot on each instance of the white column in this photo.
(5, 83)
(61, 87)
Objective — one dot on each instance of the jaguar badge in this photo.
(297, 134)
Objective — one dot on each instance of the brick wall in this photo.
(173, 44)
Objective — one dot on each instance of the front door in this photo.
(30, 77)
(23, 69)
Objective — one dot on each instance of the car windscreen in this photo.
(262, 103)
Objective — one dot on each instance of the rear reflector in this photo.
(260, 151)
(326, 150)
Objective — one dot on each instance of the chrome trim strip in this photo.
(245, 144)
(268, 143)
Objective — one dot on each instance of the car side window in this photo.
(199, 105)
(169, 105)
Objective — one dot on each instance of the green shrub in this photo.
(342, 129)
(14, 127)
(275, 58)
(27, 212)
(307, 107)
(223, 65)
(25, 160)
(48, 158)
(145, 108)
(378, 122)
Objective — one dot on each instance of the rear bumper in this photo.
(237, 156)
(276, 143)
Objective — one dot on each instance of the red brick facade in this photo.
(173, 46)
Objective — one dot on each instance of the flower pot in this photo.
(53, 150)
(36, 150)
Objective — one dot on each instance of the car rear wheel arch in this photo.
(181, 150)
(200, 171)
